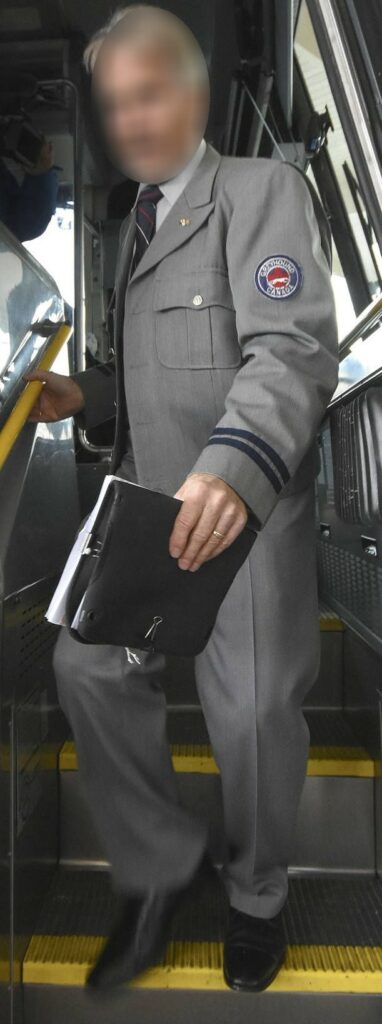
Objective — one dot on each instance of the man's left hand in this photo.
(208, 504)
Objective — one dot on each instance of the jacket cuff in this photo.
(98, 388)
(258, 485)
(249, 481)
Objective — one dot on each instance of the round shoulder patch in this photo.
(278, 277)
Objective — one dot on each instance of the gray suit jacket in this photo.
(226, 348)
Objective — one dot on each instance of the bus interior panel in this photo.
(298, 81)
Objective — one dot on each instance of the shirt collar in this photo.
(173, 187)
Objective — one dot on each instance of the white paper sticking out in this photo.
(56, 611)
(78, 613)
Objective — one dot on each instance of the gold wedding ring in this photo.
(217, 533)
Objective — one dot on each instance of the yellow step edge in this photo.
(5, 971)
(19, 946)
(330, 622)
(344, 761)
(44, 758)
(66, 959)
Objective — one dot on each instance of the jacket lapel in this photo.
(122, 269)
(194, 204)
(125, 252)
(174, 234)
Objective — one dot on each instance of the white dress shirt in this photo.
(174, 186)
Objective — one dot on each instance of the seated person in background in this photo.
(28, 198)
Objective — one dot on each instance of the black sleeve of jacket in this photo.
(98, 387)
(98, 383)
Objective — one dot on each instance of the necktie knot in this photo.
(150, 194)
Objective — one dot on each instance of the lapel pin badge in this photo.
(184, 222)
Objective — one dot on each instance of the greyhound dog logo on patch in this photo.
(278, 277)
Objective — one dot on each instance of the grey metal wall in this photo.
(38, 517)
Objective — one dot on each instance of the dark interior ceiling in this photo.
(212, 21)
(238, 37)
(54, 17)
(26, 27)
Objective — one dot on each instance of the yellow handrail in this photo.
(26, 400)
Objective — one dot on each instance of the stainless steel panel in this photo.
(362, 683)
(46, 1004)
(378, 794)
(335, 826)
(28, 295)
(39, 513)
(326, 840)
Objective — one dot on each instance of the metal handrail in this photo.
(26, 401)
(370, 316)
(99, 449)
(79, 221)
(371, 380)
(368, 319)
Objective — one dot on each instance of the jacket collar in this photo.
(173, 187)
(199, 189)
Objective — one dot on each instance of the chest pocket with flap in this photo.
(195, 322)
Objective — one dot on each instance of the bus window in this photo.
(54, 248)
(317, 84)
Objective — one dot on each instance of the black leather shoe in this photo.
(137, 940)
(254, 950)
(138, 937)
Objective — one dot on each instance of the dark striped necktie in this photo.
(145, 216)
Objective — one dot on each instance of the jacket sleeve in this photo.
(98, 383)
(98, 387)
(289, 344)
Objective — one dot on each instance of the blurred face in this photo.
(152, 120)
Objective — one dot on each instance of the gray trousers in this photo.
(260, 661)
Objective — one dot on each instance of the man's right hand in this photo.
(60, 397)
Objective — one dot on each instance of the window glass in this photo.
(365, 357)
(318, 87)
(55, 251)
(28, 296)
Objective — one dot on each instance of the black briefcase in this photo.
(128, 590)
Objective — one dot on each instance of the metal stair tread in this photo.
(333, 930)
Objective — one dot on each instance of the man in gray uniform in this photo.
(225, 360)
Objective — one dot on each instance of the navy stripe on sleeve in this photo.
(246, 448)
(263, 445)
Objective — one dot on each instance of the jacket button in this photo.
(197, 300)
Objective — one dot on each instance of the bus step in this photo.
(339, 786)
(333, 930)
